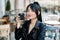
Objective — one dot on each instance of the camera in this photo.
(21, 16)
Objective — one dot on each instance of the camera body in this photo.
(21, 16)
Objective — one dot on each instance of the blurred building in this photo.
(20, 5)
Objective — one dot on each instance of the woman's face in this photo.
(31, 14)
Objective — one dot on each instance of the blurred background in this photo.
(50, 10)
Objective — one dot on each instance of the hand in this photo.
(18, 21)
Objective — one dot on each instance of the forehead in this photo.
(29, 8)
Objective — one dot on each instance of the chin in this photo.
(28, 19)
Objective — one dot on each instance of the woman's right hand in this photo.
(18, 21)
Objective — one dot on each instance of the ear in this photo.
(38, 12)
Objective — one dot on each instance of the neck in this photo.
(33, 20)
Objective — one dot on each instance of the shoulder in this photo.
(41, 25)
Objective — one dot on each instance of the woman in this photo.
(32, 29)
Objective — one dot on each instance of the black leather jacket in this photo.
(37, 33)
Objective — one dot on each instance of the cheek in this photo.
(33, 15)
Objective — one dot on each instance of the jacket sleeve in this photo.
(18, 33)
(42, 32)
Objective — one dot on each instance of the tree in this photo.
(8, 5)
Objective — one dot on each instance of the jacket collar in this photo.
(37, 24)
